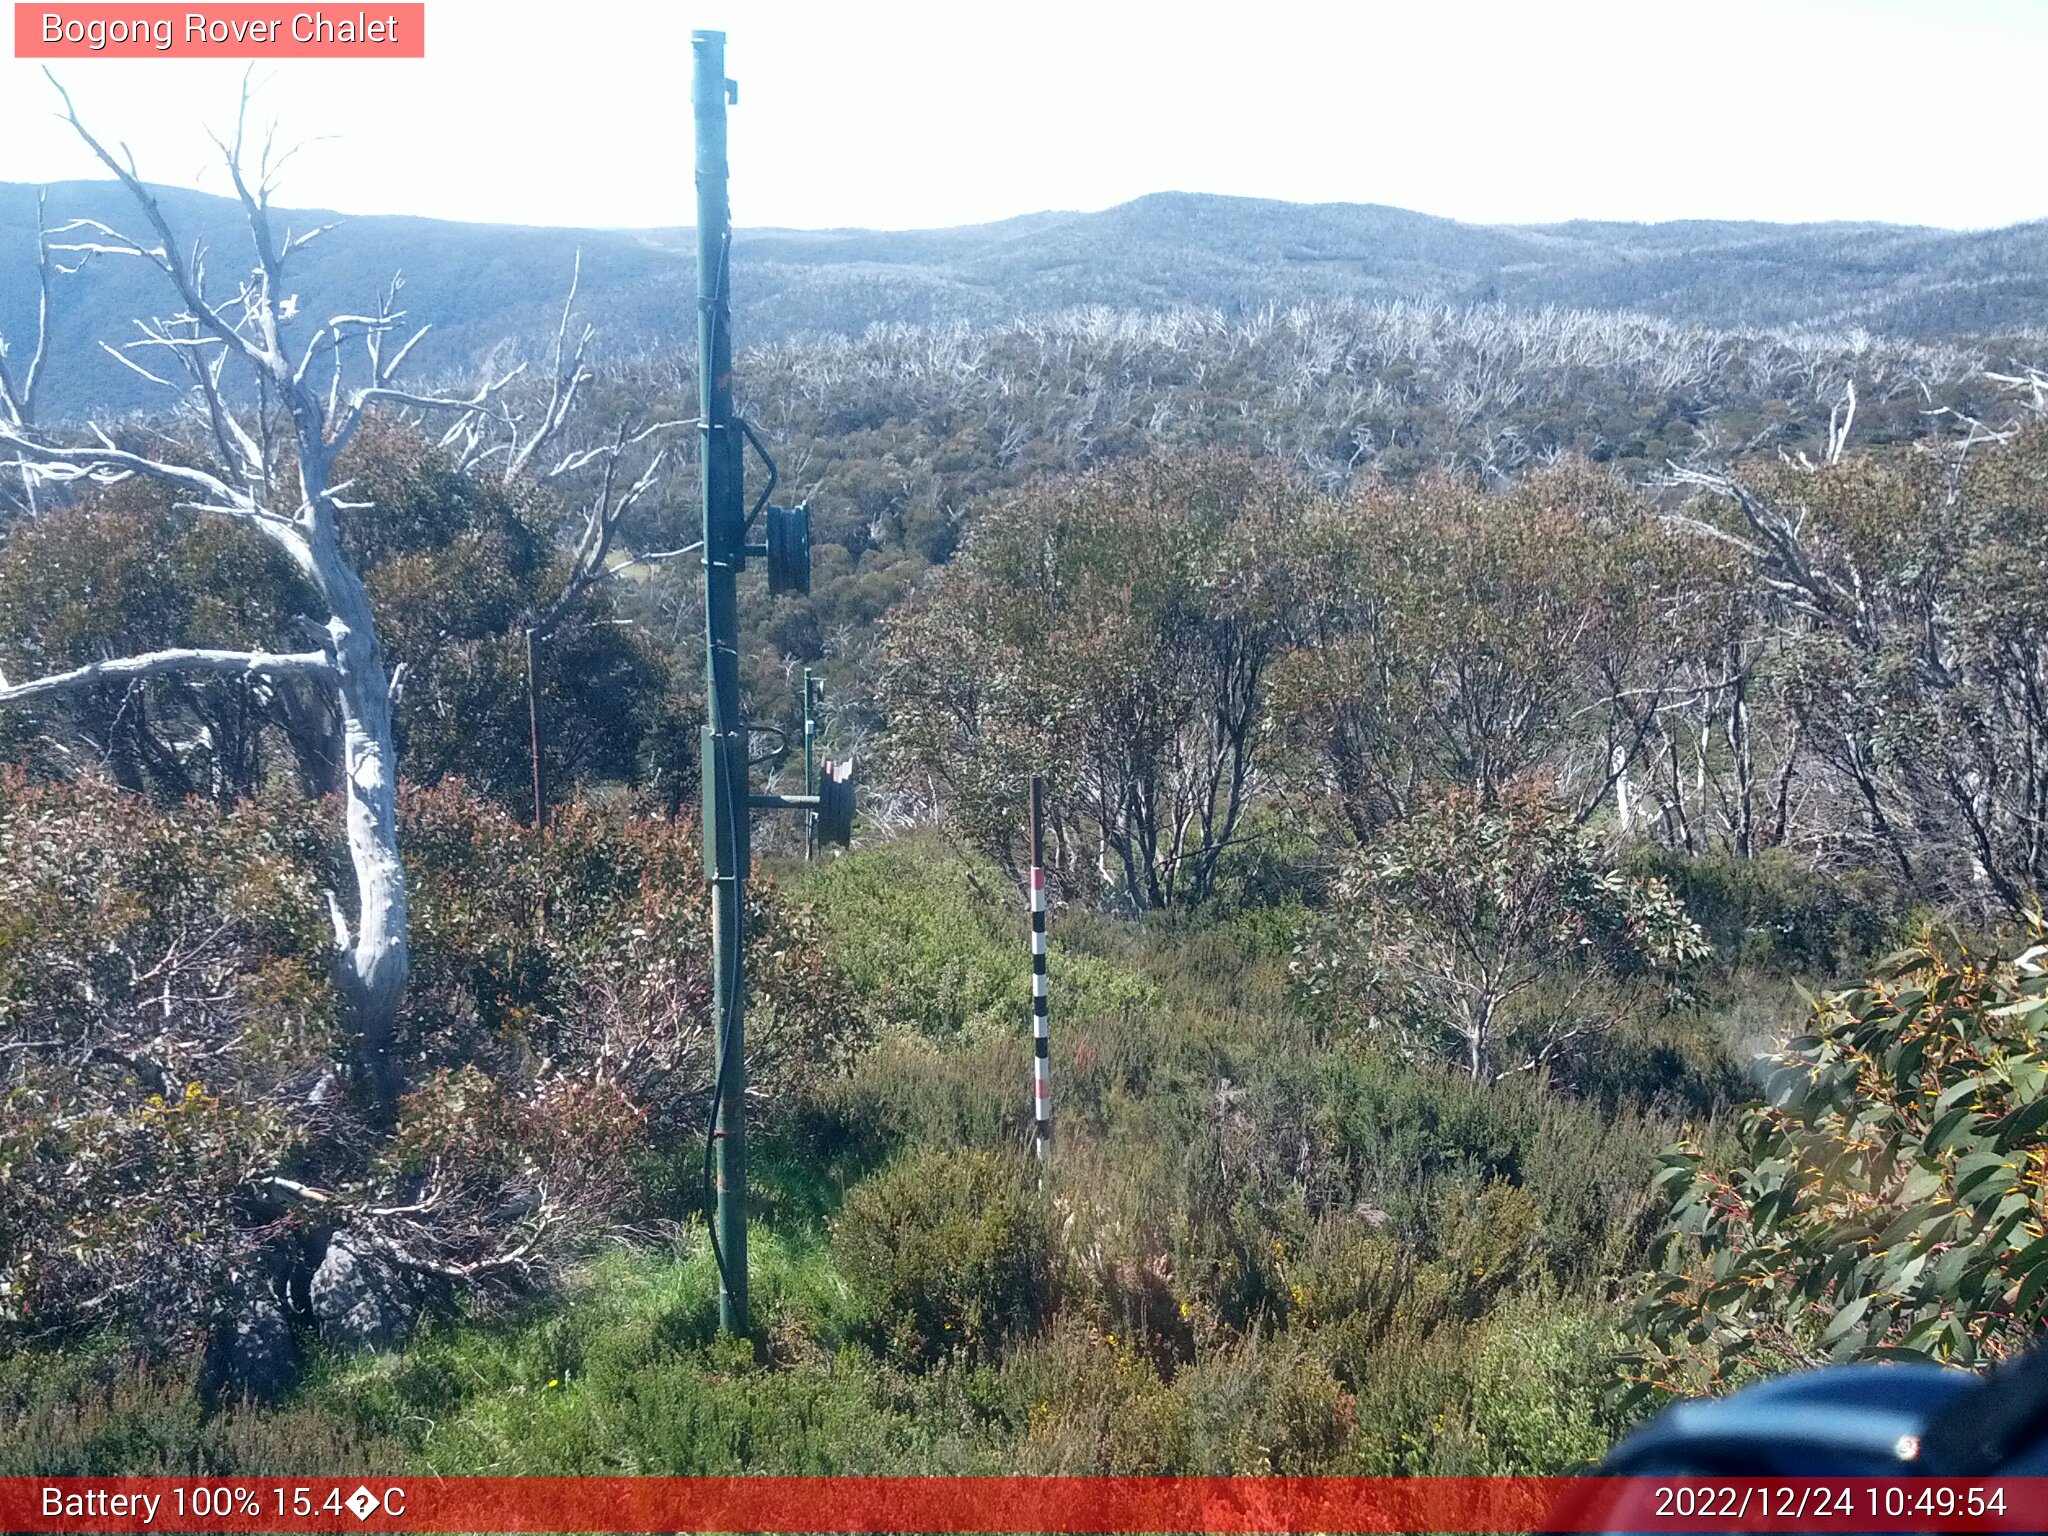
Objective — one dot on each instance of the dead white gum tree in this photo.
(531, 439)
(274, 407)
(21, 376)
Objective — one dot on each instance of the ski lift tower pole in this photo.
(724, 744)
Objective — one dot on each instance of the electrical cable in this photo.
(728, 1022)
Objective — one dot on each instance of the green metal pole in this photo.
(725, 747)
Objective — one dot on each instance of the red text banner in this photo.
(1000, 1504)
(226, 31)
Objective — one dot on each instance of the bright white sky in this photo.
(900, 113)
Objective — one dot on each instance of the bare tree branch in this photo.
(18, 391)
(166, 256)
(601, 517)
(18, 395)
(566, 379)
(1781, 549)
(104, 464)
(159, 663)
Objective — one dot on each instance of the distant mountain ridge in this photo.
(483, 284)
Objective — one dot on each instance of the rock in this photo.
(361, 1299)
(253, 1353)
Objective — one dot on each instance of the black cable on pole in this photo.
(725, 1033)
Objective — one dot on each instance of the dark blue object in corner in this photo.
(1847, 1421)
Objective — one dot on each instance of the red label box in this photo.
(378, 30)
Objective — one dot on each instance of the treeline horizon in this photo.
(1236, 256)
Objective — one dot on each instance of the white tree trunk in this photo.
(373, 965)
(248, 483)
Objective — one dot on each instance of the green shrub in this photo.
(1885, 1200)
(1266, 1406)
(1488, 931)
(1237, 1251)
(1527, 1390)
(1684, 1062)
(1776, 912)
(1351, 1276)
(908, 1091)
(1543, 1386)
(144, 1421)
(914, 937)
(1414, 1393)
(173, 1062)
(939, 941)
(947, 1252)
(1488, 1236)
(1095, 1407)
(1407, 1130)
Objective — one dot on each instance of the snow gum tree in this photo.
(272, 399)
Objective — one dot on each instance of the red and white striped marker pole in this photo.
(1041, 1029)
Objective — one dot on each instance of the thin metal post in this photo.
(810, 762)
(725, 767)
(1041, 1025)
(540, 783)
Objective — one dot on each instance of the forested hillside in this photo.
(905, 431)
(1482, 746)
(483, 284)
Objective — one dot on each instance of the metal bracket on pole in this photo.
(835, 804)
